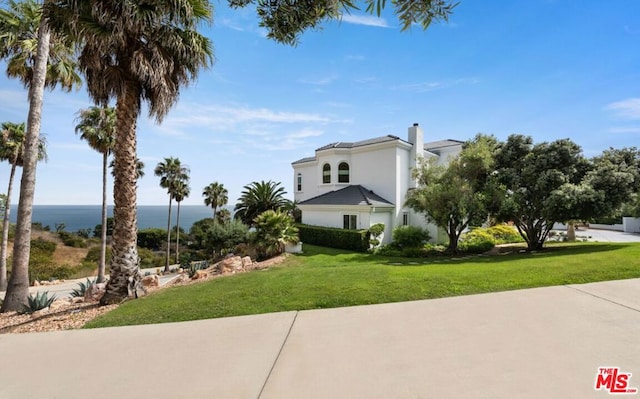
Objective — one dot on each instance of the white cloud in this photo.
(323, 81)
(625, 129)
(422, 87)
(366, 20)
(626, 109)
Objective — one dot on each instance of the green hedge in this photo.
(353, 240)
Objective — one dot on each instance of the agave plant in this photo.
(82, 288)
(40, 301)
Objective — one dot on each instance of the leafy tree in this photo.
(542, 184)
(151, 238)
(215, 195)
(453, 196)
(12, 150)
(259, 197)
(180, 192)
(47, 62)
(133, 51)
(286, 20)
(173, 176)
(216, 238)
(223, 216)
(97, 125)
(97, 231)
(274, 229)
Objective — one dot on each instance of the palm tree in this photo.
(97, 125)
(258, 197)
(180, 192)
(11, 150)
(133, 51)
(139, 168)
(27, 44)
(274, 229)
(223, 216)
(172, 175)
(215, 195)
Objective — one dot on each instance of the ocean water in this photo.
(76, 217)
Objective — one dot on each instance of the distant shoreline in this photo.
(77, 217)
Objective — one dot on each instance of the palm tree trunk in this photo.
(166, 263)
(18, 287)
(178, 235)
(124, 261)
(5, 231)
(103, 243)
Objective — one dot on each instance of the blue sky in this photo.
(546, 68)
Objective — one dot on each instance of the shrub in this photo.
(72, 240)
(40, 301)
(375, 231)
(274, 229)
(152, 238)
(148, 259)
(409, 237)
(504, 234)
(43, 246)
(476, 241)
(93, 255)
(353, 240)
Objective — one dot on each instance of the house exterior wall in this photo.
(385, 168)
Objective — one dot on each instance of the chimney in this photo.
(415, 137)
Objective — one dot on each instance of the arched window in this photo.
(343, 172)
(326, 173)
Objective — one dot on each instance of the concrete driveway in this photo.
(536, 343)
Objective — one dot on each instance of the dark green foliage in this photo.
(84, 233)
(152, 238)
(353, 240)
(72, 240)
(375, 231)
(82, 288)
(148, 259)
(93, 255)
(259, 197)
(193, 267)
(43, 246)
(216, 238)
(409, 237)
(97, 231)
(40, 301)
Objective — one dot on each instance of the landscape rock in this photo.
(77, 299)
(247, 262)
(95, 292)
(200, 275)
(36, 283)
(40, 312)
(150, 281)
(231, 264)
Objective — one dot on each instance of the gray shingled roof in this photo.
(307, 159)
(344, 144)
(350, 195)
(434, 145)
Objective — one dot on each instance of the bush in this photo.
(148, 259)
(43, 246)
(410, 237)
(504, 234)
(353, 240)
(375, 231)
(93, 255)
(152, 238)
(72, 240)
(476, 241)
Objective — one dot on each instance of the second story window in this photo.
(343, 172)
(299, 182)
(326, 174)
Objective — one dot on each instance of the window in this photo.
(299, 182)
(326, 173)
(350, 222)
(405, 218)
(343, 172)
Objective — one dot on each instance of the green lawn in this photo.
(327, 278)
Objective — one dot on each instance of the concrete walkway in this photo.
(536, 343)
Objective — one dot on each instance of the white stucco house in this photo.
(354, 185)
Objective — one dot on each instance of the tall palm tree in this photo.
(172, 174)
(30, 62)
(12, 138)
(215, 195)
(133, 51)
(258, 197)
(223, 216)
(180, 192)
(139, 168)
(97, 125)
